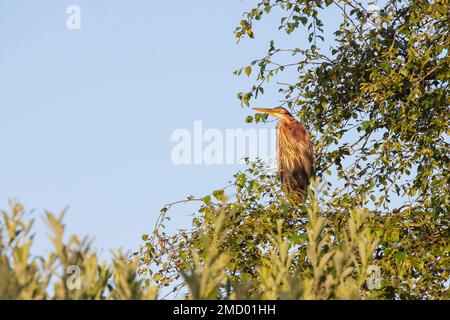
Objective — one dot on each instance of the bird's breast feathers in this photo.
(294, 147)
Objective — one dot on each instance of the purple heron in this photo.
(295, 154)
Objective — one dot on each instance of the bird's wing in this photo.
(295, 155)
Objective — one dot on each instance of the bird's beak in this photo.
(269, 111)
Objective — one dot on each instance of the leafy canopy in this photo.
(377, 105)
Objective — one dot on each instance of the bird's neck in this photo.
(288, 119)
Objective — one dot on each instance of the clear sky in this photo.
(86, 115)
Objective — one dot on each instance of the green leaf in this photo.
(206, 199)
(218, 194)
(303, 20)
(399, 257)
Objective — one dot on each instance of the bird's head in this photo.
(278, 112)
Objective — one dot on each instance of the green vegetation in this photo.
(71, 270)
(375, 224)
(377, 105)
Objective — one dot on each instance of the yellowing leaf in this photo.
(250, 33)
(248, 71)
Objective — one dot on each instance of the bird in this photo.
(295, 153)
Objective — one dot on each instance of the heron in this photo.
(295, 154)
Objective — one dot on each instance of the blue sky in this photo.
(86, 115)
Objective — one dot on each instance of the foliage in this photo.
(72, 270)
(335, 269)
(224, 261)
(377, 106)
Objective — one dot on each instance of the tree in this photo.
(377, 104)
